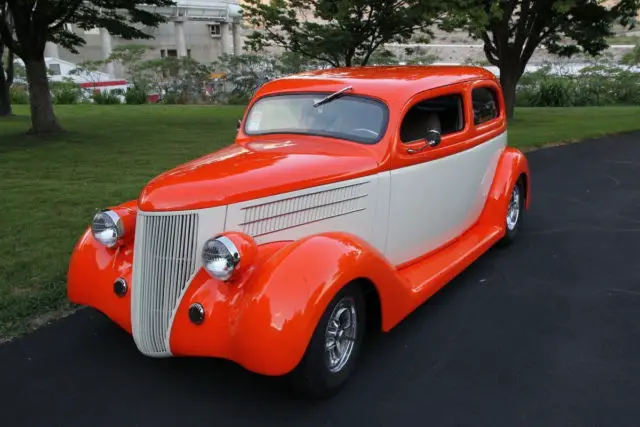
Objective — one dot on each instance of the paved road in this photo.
(546, 333)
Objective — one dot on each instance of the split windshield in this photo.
(351, 117)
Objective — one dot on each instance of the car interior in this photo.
(444, 114)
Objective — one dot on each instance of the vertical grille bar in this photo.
(164, 259)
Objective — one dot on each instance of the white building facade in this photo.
(201, 29)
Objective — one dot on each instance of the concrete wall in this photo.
(200, 44)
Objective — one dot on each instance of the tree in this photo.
(511, 30)
(338, 32)
(5, 81)
(38, 21)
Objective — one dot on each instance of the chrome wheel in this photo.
(340, 334)
(513, 213)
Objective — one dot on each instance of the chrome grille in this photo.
(163, 261)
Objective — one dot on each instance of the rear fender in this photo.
(512, 166)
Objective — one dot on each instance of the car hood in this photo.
(253, 170)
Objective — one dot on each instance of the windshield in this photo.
(350, 117)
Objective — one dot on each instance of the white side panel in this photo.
(436, 201)
(348, 206)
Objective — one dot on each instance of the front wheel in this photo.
(334, 347)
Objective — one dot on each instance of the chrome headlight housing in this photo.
(220, 257)
(107, 228)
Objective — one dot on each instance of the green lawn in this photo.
(49, 189)
(624, 40)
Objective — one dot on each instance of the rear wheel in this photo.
(515, 213)
(334, 347)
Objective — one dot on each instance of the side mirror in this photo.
(433, 138)
(238, 124)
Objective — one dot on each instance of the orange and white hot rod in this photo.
(348, 198)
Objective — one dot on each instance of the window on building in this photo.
(163, 53)
(485, 105)
(215, 30)
(172, 53)
(55, 69)
(443, 113)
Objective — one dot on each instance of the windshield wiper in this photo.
(332, 96)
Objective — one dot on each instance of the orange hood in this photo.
(256, 169)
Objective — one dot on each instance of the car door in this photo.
(437, 192)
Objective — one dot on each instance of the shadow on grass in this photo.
(23, 140)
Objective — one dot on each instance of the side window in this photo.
(485, 105)
(444, 114)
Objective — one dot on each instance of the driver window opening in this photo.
(444, 114)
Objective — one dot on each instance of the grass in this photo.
(50, 188)
(624, 40)
(536, 127)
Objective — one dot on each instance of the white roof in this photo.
(203, 3)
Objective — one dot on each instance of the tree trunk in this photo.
(5, 99)
(509, 76)
(43, 119)
(5, 95)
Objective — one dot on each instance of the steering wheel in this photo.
(374, 133)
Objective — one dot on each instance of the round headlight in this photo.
(220, 257)
(107, 228)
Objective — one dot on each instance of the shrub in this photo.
(595, 85)
(135, 95)
(19, 94)
(174, 98)
(106, 98)
(65, 93)
(236, 98)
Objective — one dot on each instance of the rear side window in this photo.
(485, 105)
(443, 113)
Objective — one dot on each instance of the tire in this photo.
(515, 214)
(315, 376)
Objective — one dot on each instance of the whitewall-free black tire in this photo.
(333, 351)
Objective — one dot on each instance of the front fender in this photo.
(266, 322)
(93, 268)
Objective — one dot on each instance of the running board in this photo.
(430, 274)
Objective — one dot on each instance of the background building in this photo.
(202, 29)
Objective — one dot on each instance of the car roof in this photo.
(385, 82)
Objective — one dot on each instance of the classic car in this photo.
(348, 198)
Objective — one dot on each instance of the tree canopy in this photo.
(512, 30)
(36, 22)
(40, 21)
(338, 32)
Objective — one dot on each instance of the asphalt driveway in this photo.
(545, 333)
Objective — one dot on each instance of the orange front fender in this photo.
(267, 321)
(93, 268)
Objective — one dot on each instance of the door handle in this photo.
(433, 139)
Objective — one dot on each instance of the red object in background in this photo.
(103, 84)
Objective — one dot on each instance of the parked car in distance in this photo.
(349, 197)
